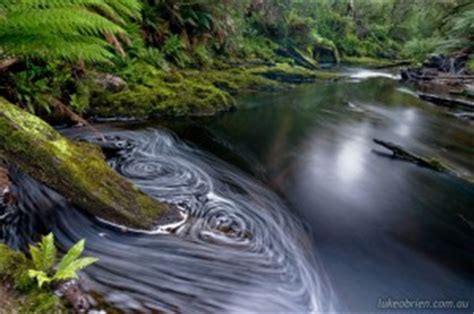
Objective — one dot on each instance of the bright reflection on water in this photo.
(366, 74)
(381, 227)
(349, 161)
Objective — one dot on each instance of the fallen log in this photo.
(298, 57)
(446, 77)
(77, 171)
(446, 101)
(399, 152)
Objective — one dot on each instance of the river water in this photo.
(290, 206)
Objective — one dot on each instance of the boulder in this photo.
(109, 82)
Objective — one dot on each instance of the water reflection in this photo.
(349, 161)
(383, 227)
(407, 120)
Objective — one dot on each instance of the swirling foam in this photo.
(240, 250)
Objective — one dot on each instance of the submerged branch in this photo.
(399, 152)
(447, 101)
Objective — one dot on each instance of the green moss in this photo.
(159, 93)
(153, 92)
(76, 170)
(257, 47)
(41, 302)
(470, 64)
(14, 267)
(325, 51)
(238, 80)
(294, 74)
(27, 299)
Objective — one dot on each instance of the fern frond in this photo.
(44, 255)
(71, 269)
(36, 257)
(58, 21)
(126, 8)
(70, 48)
(71, 255)
(66, 29)
(40, 276)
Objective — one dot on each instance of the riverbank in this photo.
(446, 81)
(146, 91)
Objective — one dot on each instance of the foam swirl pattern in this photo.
(239, 251)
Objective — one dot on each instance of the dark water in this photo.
(289, 207)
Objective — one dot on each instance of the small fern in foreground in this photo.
(44, 257)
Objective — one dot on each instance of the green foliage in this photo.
(470, 64)
(67, 29)
(14, 269)
(35, 86)
(161, 35)
(420, 48)
(175, 50)
(80, 100)
(461, 30)
(44, 254)
(202, 55)
(14, 266)
(44, 257)
(257, 47)
(39, 302)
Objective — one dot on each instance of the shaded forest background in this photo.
(50, 50)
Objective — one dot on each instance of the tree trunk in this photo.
(77, 171)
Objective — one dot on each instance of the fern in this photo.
(44, 255)
(63, 29)
(44, 261)
(461, 31)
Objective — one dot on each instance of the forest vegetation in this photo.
(142, 58)
(68, 62)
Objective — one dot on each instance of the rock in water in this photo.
(77, 171)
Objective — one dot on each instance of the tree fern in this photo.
(65, 29)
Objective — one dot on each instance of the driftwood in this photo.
(446, 77)
(399, 152)
(77, 171)
(447, 101)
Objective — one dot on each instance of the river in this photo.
(290, 206)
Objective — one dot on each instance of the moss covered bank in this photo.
(77, 171)
(151, 92)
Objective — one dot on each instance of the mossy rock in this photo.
(77, 171)
(162, 93)
(294, 74)
(238, 80)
